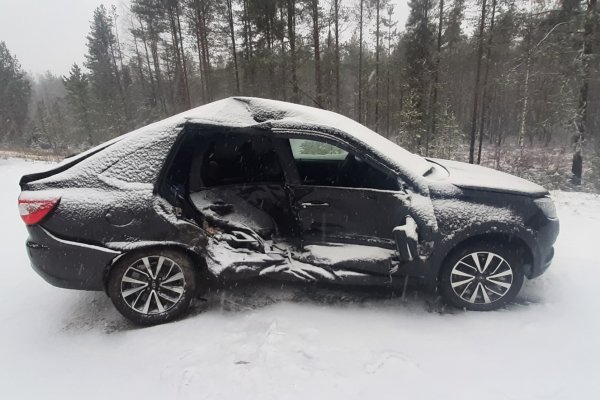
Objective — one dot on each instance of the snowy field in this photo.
(270, 343)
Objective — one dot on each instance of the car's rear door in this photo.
(238, 181)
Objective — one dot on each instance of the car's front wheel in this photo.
(153, 287)
(482, 277)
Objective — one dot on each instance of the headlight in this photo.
(547, 206)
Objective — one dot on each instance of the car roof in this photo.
(246, 112)
(253, 112)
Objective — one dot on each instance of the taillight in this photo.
(33, 208)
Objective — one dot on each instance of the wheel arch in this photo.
(490, 237)
(195, 255)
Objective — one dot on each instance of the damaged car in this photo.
(249, 188)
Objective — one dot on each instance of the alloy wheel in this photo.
(481, 277)
(153, 285)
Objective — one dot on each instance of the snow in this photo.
(471, 176)
(270, 343)
(334, 254)
(280, 116)
(145, 148)
(284, 115)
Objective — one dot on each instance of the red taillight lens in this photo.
(34, 208)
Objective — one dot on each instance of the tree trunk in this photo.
(157, 70)
(233, 50)
(269, 35)
(584, 77)
(200, 46)
(291, 25)
(377, 26)
(436, 80)
(336, 16)
(360, 60)
(477, 79)
(140, 61)
(183, 63)
(525, 104)
(248, 44)
(148, 64)
(120, 87)
(283, 62)
(206, 54)
(180, 85)
(485, 97)
(317, 53)
(388, 99)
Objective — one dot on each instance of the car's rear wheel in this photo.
(153, 287)
(482, 276)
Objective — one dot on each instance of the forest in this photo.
(510, 84)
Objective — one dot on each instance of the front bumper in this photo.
(68, 264)
(546, 237)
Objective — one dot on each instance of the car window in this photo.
(237, 159)
(320, 163)
(304, 149)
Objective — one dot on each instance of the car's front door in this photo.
(340, 197)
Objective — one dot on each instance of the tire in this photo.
(482, 276)
(148, 291)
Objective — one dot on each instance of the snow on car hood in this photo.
(469, 176)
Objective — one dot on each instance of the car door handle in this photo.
(314, 205)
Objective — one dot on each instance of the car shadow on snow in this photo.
(252, 295)
(95, 312)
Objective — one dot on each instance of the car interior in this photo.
(239, 176)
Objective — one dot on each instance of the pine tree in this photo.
(418, 53)
(109, 105)
(152, 24)
(14, 96)
(230, 24)
(78, 97)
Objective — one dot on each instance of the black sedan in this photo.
(248, 188)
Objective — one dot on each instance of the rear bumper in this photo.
(68, 264)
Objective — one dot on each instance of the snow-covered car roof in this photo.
(253, 111)
(247, 112)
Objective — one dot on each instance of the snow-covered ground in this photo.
(269, 343)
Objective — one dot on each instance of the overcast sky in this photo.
(47, 34)
(51, 34)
